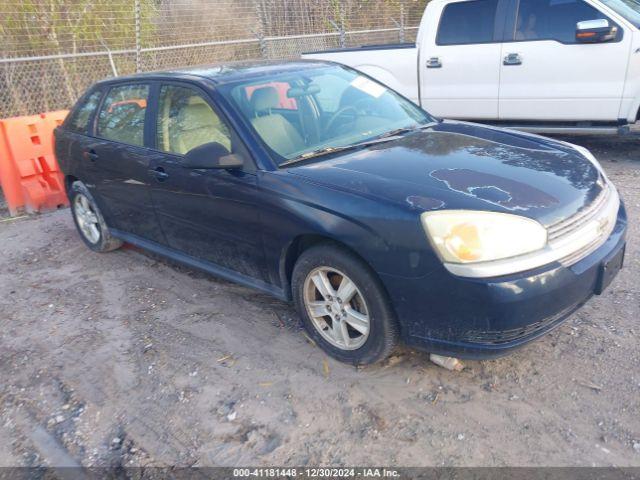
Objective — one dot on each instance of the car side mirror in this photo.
(596, 31)
(211, 156)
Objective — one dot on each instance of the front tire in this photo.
(343, 305)
(89, 220)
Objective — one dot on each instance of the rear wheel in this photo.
(89, 220)
(343, 305)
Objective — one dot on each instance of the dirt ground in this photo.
(127, 359)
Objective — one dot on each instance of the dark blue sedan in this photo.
(317, 184)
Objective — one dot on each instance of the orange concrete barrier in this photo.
(29, 174)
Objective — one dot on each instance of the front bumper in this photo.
(488, 318)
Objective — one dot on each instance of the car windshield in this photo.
(629, 9)
(320, 110)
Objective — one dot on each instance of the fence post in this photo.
(343, 37)
(260, 33)
(400, 24)
(340, 27)
(402, 36)
(114, 70)
(137, 28)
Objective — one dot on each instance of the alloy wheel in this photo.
(337, 308)
(87, 218)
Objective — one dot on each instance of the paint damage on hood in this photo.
(457, 165)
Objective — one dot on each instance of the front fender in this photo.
(388, 238)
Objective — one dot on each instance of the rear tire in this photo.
(343, 306)
(89, 220)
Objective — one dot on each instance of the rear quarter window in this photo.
(79, 120)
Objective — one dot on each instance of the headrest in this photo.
(196, 100)
(198, 115)
(265, 98)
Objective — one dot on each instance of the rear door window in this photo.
(79, 120)
(467, 23)
(122, 114)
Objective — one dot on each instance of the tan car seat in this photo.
(198, 124)
(275, 130)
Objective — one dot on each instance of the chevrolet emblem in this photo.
(603, 224)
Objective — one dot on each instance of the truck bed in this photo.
(394, 65)
(385, 46)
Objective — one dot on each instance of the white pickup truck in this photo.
(555, 66)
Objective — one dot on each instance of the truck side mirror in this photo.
(596, 31)
(211, 155)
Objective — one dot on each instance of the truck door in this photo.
(549, 72)
(459, 58)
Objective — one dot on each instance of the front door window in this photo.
(186, 121)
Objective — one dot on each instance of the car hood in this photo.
(457, 165)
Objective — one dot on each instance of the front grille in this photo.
(574, 222)
(583, 233)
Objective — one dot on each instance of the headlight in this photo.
(462, 236)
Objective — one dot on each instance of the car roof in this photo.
(224, 72)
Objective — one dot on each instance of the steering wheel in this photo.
(337, 115)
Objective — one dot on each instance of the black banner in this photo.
(318, 473)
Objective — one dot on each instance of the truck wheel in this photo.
(89, 221)
(343, 306)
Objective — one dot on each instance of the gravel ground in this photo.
(127, 359)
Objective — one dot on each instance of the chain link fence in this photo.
(52, 50)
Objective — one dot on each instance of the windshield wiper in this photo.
(401, 131)
(385, 137)
(328, 150)
(398, 132)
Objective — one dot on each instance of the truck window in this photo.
(553, 19)
(122, 114)
(467, 22)
(186, 121)
(79, 121)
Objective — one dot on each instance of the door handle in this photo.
(160, 174)
(434, 62)
(91, 155)
(513, 59)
